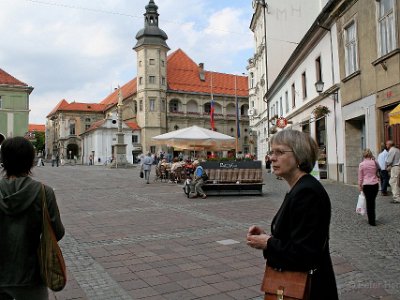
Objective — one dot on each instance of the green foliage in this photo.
(39, 141)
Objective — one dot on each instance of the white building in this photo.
(281, 24)
(293, 94)
(100, 138)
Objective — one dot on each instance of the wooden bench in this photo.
(233, 177)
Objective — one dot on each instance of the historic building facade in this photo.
(278, 27)
(170, 92)
(14, 106)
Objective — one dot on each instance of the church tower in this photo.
(151, 49)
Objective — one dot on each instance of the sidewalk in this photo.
(129, 240)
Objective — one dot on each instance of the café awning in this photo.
(394, 116)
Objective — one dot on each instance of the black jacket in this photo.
(20, 229)
(300, 236)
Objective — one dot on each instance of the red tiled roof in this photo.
(63, 105)
(96, 125)
(133, 125)
(8, 79)
(37, 127)
(183, 75)
(128, 89)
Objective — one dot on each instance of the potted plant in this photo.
(321, 111)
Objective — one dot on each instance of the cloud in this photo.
(81, 50)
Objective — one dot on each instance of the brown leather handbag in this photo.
(51, 260)
(286, 285)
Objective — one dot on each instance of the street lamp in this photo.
(319, 87)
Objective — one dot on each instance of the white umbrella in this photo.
(196, 137)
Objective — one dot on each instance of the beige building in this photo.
(368, 37)
(171, 91)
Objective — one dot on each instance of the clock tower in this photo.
(151, 49)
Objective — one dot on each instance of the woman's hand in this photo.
(255, 230)
(258, 241)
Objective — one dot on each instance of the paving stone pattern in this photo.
(129, 240)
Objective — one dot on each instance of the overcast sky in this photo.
(81, 50)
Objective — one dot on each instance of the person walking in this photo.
(53, 159)
(368, 183)
(384, 175)
(197, 182)
(21, 223)
(146, 166)
(299, 238)
(392, 166)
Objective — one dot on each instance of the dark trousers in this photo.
(370, 192)
(384, 180)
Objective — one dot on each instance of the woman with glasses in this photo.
(299, 238)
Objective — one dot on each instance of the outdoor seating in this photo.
(244, 178)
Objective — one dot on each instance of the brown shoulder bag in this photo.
(286, 285)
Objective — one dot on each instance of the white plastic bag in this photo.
(361, 206)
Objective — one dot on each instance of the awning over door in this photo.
(394, 116)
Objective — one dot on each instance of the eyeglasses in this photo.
(278, 153)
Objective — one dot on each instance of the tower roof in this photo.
(151, 34)
(8, 79)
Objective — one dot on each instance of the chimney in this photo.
(201, 72)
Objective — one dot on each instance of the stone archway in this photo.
(72, 151)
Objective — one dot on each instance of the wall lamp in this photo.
(319, 87)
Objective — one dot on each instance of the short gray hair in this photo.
(304, 147)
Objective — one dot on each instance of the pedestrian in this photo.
(90, 159)
(368, 183)
(146, 166)
(392, 166)
(267, 163)
(53, 159)
(384, 175)
(40, 159)
(21, 223)
(197, 182)
(299, 238)
(57, 159)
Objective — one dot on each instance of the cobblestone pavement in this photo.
(129, 240)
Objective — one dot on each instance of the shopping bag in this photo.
(141, 175)
(361, 207)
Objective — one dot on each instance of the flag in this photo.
(237, 119)
(212, 114)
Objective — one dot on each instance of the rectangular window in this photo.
(152, 103)
(252, 104)
(163, 80)
(152, 79)
(386, 26)
(88, 120)
(152, 149)
(135, 139)
(1, 103)
(140, 63)
(87, 126)
(318, 70)
(304, 84)
(140, 80)
(72, 129)
(152, 61)
(293, 95)
(162, 63)
(281, 106)
(140, 105)
(163, 105)
(277, 108)
(350, 49)
(287, 101)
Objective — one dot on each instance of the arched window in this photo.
(192, 106)
(174, 105)
(207, 107)
(251, 78)
(243, 109)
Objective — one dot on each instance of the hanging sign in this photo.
(281, 122)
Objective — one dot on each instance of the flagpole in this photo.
(237, 120)
(212, 103)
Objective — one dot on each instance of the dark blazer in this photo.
(300, 236)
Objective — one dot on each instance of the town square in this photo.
(200, 149)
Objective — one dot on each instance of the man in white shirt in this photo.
(392, 165)
(384, 175)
